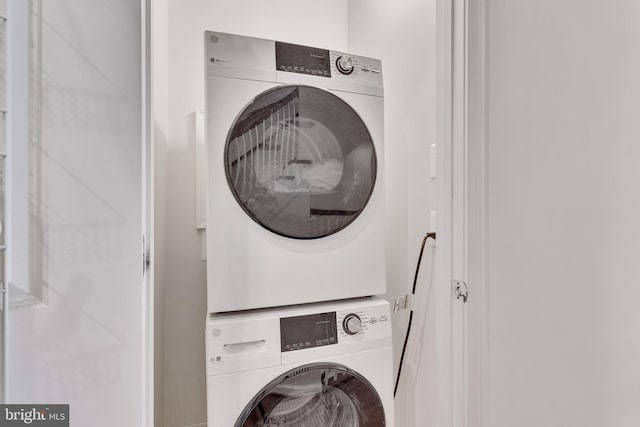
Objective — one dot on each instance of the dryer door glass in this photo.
(300, 161)
(316, 395)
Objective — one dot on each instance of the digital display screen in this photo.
(314, 330)
(303, 59)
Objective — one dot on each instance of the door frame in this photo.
(477, 351)
(462, 136)
(147, 289)
(469, 195)
(452, 228)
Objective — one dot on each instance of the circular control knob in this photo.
(352, 324)
(345, 64)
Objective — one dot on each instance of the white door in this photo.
(559, 345)
(76, 209)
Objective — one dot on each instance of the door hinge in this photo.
(146, 256)
(461, 290)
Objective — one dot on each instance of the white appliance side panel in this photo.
(249, 266)
(228, 395)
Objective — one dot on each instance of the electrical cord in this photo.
(413, 292)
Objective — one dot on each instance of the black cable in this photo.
(413, 292)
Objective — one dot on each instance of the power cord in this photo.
(413, 292)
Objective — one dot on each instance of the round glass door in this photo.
(300, 162)
(316, 395)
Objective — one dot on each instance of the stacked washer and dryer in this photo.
(295, 237)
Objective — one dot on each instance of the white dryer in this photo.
(295, 210)
(327, 364)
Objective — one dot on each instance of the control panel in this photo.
(312, 330)
(237, 342)
(345, 64)
(321, 329)
(251, 58)
(302, 59)
(356, 66)
(294, 58)
(352, 324)
(359, 322)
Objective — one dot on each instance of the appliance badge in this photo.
(217, 61)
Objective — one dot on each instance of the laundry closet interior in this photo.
(402, 36)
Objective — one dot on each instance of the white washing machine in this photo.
(326, 364)
(295, 209)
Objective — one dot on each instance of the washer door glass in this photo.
(300, 161)
(316, 395)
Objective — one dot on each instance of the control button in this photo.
(345, 64)
(375, 70)
(383, 318)
(365, 68)
(352, 324)
(373, 321)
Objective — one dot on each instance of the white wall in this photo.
(563, 209)
(322, 24)
(403, 35)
